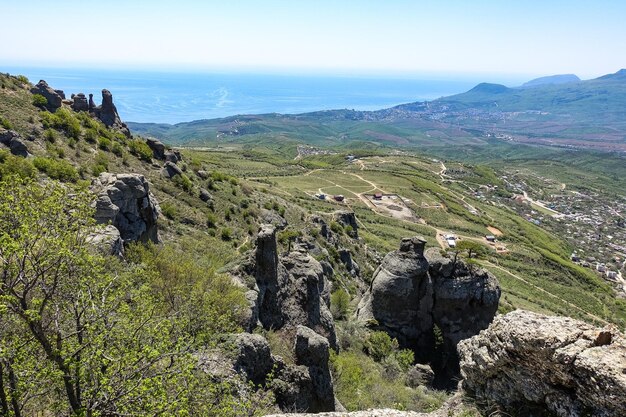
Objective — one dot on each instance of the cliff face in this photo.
(429, 303)
(528, 361)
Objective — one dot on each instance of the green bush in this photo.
(104, 143)
(169, 210)
(183, 182)
(117, 149)
(5, 123)
(50, 135)
(39, 100)
(14, 165)
(226, 234)
(380, 345)
(339, 304)
(91, 135)
(56, 169)
(140, 149)
(23, 79)
(211, 220)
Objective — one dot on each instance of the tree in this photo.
(78, 338)
(473, 249)
(288, 237)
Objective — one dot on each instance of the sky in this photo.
(401, 37)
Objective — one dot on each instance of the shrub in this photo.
(380, 345)
(104, 143)
(117, 149)
(5, 123)
(91, 135)
(183, 181)
(23, 79)
(226, 234)
(56, 169)
(140, 149)
(211, 220)
(339, 304)
(336, 227)
(169, 210)
(14, 165)
(39, 100)
(50, 135)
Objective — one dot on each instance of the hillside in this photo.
(240, 292)
(552, 79)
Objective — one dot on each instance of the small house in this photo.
(338, 197)
(378, 196)
(490, 238)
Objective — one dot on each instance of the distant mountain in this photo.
(581, 114)
(552, 79)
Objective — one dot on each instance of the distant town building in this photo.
(378, 196)
(490, 238)
(338, 197)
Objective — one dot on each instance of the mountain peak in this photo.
(489, 88)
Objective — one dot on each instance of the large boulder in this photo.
(158, 148)
(253, 357)
(529, 361)
(125, 201)
(14, 142)
(54, 98)
(429, 303)
(107, 240)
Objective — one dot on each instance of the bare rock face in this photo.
(429, 303)
(253, 357)
(125, 201)
(54, 98)
(528, 361)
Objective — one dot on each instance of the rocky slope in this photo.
(526, 361)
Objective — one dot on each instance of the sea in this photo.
(173, 97)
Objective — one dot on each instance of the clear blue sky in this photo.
(337, 36)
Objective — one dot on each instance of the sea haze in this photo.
(159, 97)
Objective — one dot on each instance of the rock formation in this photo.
(171, 169)
(107, 241)
(291, 289)
(92, 104)
(107, 113)
(158, 148)
(347, 218)
(307, 385)
(80, 102)
(54, 98)
(13, 141)
(528, 361)
(429, 304)
(125, 201)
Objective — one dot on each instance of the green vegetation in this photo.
(56, 169)
(39, 100)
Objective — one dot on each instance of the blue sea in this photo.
(173, 97)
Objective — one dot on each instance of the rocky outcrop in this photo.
(79, 102)
(291, 289)
(347, 218)
(173, 156)
(429, 303)
(528, 361)
(107, 240)
(13, 141)
(54, 98)
(107, 113)
(307, 385)
(158, 148)
(91, 104)
(253, 357)
(125, 201)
